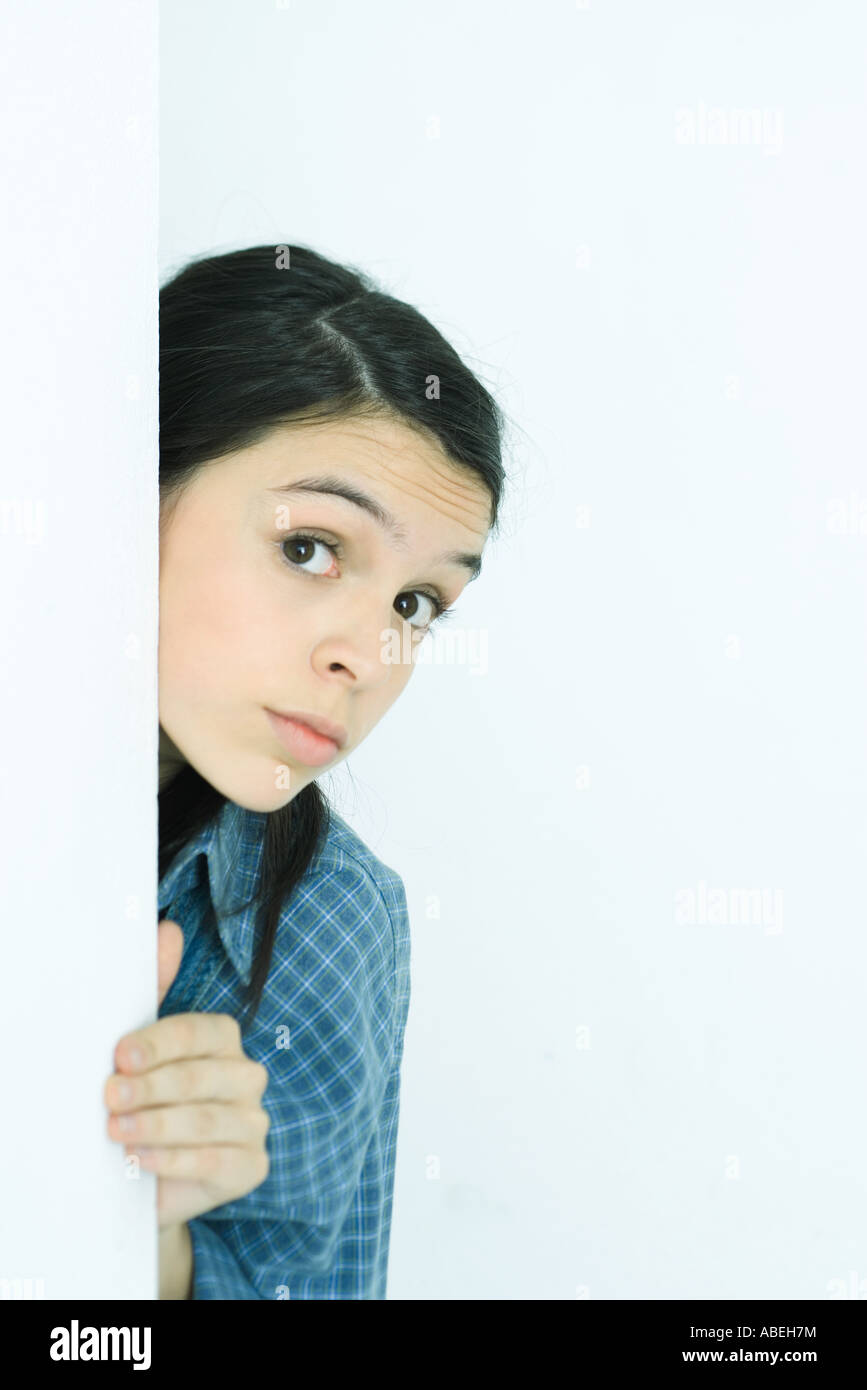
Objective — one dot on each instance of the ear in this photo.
(170, 948)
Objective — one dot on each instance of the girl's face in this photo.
(255, 615)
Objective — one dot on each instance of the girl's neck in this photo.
(171, 759)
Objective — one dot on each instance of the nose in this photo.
(365, 647)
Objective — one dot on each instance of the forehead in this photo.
(406, 469)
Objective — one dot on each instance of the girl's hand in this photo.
(193, 1100)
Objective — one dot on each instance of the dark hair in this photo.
(268, 336)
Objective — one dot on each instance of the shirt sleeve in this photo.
(325, 1031)
(217, 1273)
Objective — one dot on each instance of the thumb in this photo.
(170, 948)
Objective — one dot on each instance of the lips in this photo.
(317, 722)
(305, 743)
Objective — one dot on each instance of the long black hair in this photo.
(268, 336)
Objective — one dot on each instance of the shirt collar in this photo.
(232, 848)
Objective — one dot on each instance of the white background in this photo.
(78, 692)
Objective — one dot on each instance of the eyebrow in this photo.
(338, 487)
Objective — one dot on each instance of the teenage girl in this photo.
(330, 472)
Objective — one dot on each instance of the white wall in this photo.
(78, 575)
(599, 1099)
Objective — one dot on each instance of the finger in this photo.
(205, 1078)
(228, 1165)
(203, 1124)
(177, 1036)
(170, 948)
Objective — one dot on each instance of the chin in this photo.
(260, 788)
(261, 796)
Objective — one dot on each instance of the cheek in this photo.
(212, 627)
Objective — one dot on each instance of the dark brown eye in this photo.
(300, 550)
(409, 613)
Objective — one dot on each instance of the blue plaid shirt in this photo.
(330, 1032)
